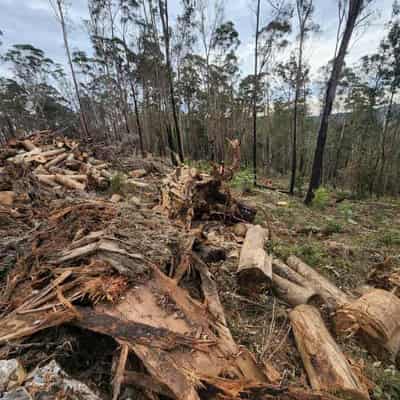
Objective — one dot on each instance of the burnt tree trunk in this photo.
(165, 25)
(355, 7)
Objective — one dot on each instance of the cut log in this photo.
(332, 295)
(28, 145)
(61, 157)
(47, 179)
(325, 364)
(7, 198)
(294, 294)
(281, 269)
(52, 153)
(79, 178)
(255, 265)
(375, 318)
(62, 171)
(69, 183)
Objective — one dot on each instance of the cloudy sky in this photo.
(33, 21)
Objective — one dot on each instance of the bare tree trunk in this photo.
(303, 15)
(76, 86)
(338, 152)
(383, 144)
(355, 7)
(165, 24)
(255, 89)
(139, 126)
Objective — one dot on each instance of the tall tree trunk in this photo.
(355, 7)
(76, 86)
(295, 114)
(138, 125)
(381, 182)
(165, 25)
(338, 152)
(255, 90)
(304, 12)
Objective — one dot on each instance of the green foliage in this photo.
(387, 383)
(312, 253)
(300, 181)
(390, 238)
(345, 210)
(117, 183)
(333, 226)
(243, 179)
(321, 198)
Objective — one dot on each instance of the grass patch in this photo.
(333, 226)
(390, 238)
(311, 253)
(243, 180)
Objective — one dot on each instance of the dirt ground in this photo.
(370, 233)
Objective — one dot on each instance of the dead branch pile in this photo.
(55, 162)
(129, 273)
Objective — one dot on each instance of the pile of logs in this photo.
(58, 164)
(374, 317)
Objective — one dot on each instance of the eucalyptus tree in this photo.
(354, 9)
(59, 9)
(270, 35)
(163, 9)
(305, 25)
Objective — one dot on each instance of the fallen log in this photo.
(28, 145)
(325, 364)
(255, 265)
(52, 153)
(331, 294)
(375, 318)
(69, 183)
(56, 160)
(47, 179)
(294, 294)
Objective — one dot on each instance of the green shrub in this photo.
(333, 226)
(387, 383)
(390, 238)
(345, 210)
(243, 179)
(321, 198)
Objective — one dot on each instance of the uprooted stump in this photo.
(375, 318)
(187, 194)
(327, 368)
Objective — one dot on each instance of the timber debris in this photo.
(137, 278)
